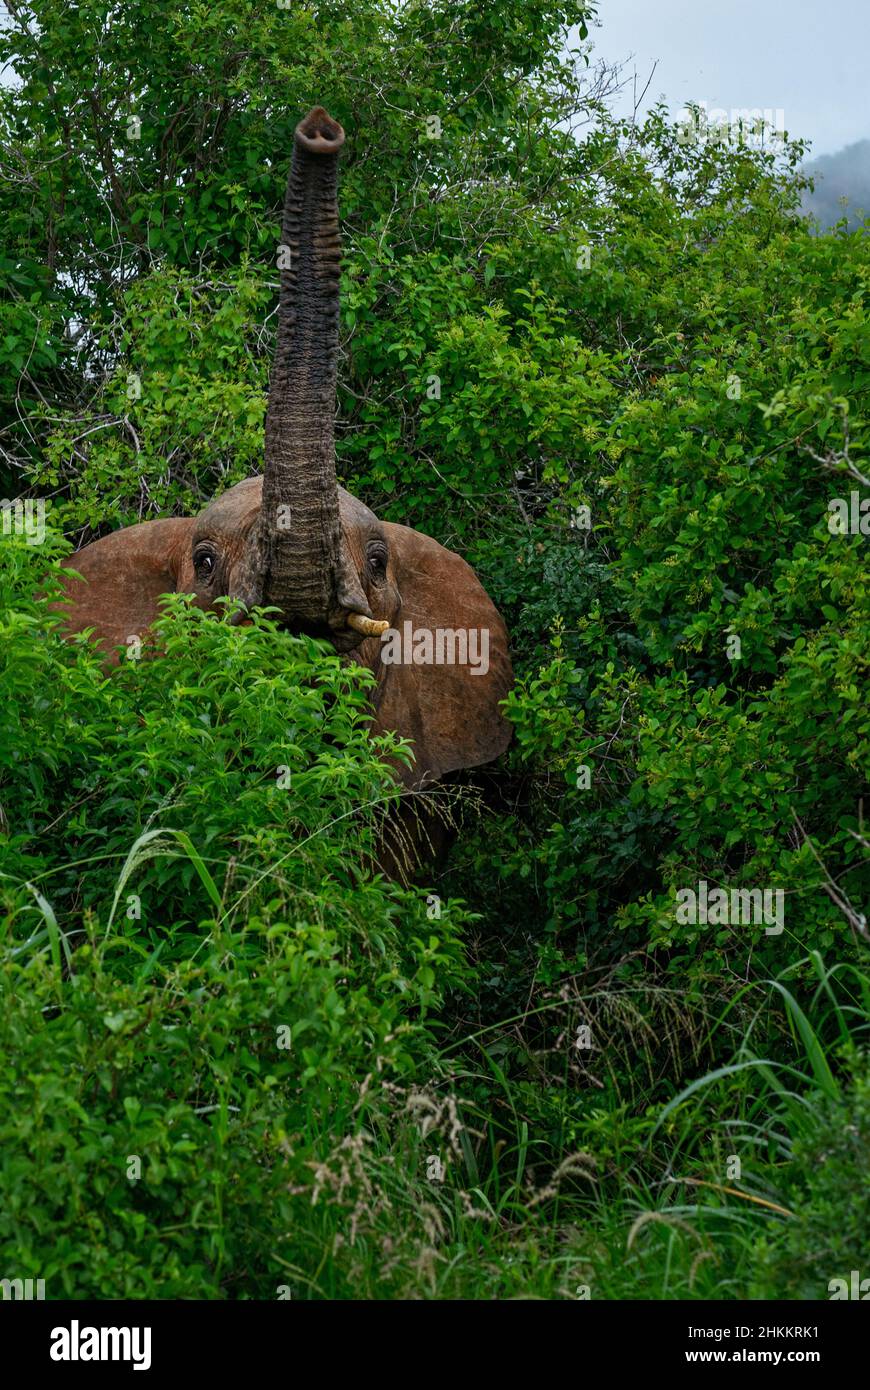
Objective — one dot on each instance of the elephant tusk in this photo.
(369, 627)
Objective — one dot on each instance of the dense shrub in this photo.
(624, 378)
(829, 1194)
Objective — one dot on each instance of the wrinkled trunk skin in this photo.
(297, 561)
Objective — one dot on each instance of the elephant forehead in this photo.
(234, 512)
(358, 521)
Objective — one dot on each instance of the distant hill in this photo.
(845, 174)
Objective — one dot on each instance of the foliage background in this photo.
(136, 319)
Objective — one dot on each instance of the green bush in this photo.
(829, 1195)
(623, 377)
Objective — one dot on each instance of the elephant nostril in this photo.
(319, 133)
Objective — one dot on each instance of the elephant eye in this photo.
(204, 564)
(378, 562)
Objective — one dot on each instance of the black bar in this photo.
(224, 1338)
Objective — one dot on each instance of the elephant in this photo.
(295, 540)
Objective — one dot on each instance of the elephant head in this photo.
(296, 541)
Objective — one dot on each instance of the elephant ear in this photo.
(449, 712)
(122, 578)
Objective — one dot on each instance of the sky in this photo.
(808, 59)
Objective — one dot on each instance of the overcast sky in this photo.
(806, 57)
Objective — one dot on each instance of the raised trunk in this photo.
(297, 551)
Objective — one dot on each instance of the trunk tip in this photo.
(318, 133)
